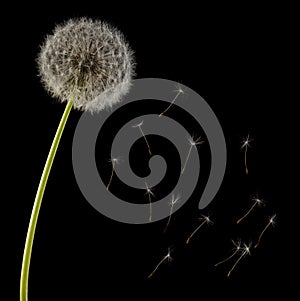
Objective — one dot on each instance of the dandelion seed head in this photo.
(207, 219)
(115, 160)
(88, 62)
(148, 189)
(179, 90)
(138, 124)
(258, 201)
(174, 199)
(272, 219)
(195, 141)
(246, 249)
(237, 244)
(168, 256)
(246, 142)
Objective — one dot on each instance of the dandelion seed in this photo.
(139, 125)
(244, 252)
(237, 249)
(245, 145)
(205, 220)
(149, 193)
(179, 91)
(113, 161)
(166, 257)
(193, 143)
(271, 222)
(172, 203)
(257, 202)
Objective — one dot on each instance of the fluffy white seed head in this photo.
(88, 62)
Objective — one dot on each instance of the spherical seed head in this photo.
(88, 62)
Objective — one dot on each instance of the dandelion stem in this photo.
(262, 233)
(187, 158)
(243, 254)
(139, 125)
(246, 143)
(172, 102)
(169, 219)
(164, 258)
(193, 142)
(227, 258)
(168, 256)
(245, 159)
(247, 213)
(111, 176)
(150, 207)
(189, 238)
(246, 251)
(110, 179)
(147, 143)
(37, 205)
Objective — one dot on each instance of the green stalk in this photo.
(37, 205)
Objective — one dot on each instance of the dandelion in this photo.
(179, 91)
(139, 125)
(88, 65)
(237, 250)
(149, 193)
(86, 62)
(257, 202)
(245, 250)
(271, 222)
(113, 161)
(166, 257)
(205, 220)
(193, 143)
(172, 203)
(245, 145)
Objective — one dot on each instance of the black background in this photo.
(234, 57)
